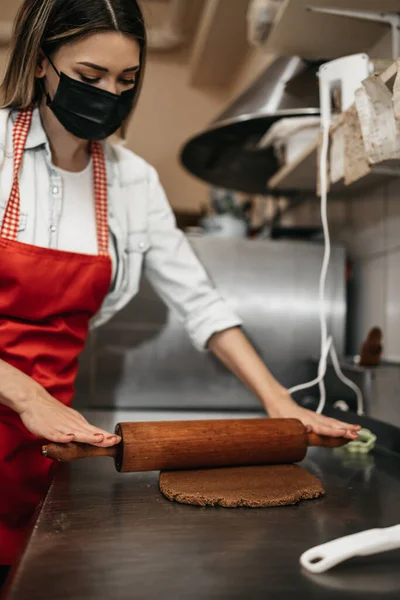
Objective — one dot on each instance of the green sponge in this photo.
(364, 444)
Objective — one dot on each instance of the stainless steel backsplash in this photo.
(143, 358)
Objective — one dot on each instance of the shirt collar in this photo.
(37, 135)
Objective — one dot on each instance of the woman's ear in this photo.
(42, 65)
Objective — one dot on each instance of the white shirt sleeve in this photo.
(177, 275)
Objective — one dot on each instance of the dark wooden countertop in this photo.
(101, 535)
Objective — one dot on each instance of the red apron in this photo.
(47, 298)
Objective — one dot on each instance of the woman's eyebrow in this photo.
(135, 68)
(93, 66)
(104, 69)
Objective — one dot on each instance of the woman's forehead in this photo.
(106, 49)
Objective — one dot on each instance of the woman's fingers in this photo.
(59, 437)
(349, 426)
(351, 430)
(104, 438)
(76, 428)
(322, 427)
(326, 430)
(89, 435)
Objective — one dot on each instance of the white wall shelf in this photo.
(298, 31)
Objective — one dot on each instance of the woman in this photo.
(78, 215)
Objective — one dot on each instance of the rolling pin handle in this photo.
(76, 451)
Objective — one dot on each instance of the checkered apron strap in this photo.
(100, 194)
(9, 227)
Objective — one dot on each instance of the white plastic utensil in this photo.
(373, 541)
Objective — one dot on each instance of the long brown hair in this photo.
(46, 25)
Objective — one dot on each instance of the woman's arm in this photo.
(235, 351)
(182, 282)
(178, 277)
(43, 415)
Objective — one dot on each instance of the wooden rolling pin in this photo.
(174, 445)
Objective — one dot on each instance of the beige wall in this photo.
(170, 111)
(3, 60)
(383, 49)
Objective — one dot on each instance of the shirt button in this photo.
(53, 229)
(141, 245)
(55, 190)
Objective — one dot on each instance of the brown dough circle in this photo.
(255, 487)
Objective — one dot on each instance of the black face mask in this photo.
(88, 112)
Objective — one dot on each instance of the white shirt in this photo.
(77, 224)
(143, 233)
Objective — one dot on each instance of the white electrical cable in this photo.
(327, 345)
(347, 381)
(320, 376)
(325, 262)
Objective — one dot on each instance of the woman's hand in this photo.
(43, 415)
(47, 418)
(285, 407)
(238, 355)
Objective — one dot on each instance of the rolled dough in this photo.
(272, 485)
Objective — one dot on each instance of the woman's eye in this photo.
(94, 80)
(89, 79)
